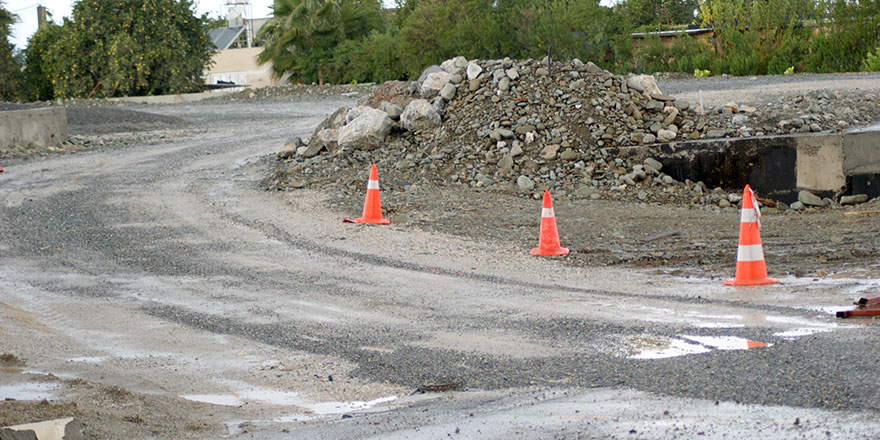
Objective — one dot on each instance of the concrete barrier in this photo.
(43, 126)
(59, 429)
(776, 166)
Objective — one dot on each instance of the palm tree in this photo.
(7, 19)
(302, 26)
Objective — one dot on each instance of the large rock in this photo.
(643, 83)
(326, 133)
(433, 83)
(473, 71)
(447, 92)
(854, 199)
(454, 65)
(393, 110)
(810, 199)
(418, 115)
(366, 129)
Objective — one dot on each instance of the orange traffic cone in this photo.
(750, 267)
(548, 242)
(372, 205)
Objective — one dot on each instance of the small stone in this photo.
(666, 135)
(854, 199)
(524, 182)
(643, 195)
(810, 199)
(541, 72)
(668, 180)
(504, 84)
(579, 84)
(569, 155)
(797, 206)
(592, 68)
(739, 119)
(505, 133)
(549, 151)
(654, 163)
(512, 73)
(585, 191)
(516, 149)
(649, 139)
(505, 165)
(474, 85)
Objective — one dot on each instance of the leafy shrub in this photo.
(872, 61)
(116, 47)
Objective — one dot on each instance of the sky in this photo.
(26, 10)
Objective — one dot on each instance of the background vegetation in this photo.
(142, 47)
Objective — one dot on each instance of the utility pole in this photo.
(42, 12)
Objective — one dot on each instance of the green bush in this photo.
(872, 61)
(117, 47)
(38, 71)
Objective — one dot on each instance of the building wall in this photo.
(240, 66)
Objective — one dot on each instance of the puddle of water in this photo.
(675, 348)
(28, 391)
(687, 344)
(288, 398)
(285, 398)
(214, 399)
(89, 359)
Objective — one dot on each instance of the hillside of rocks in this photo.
(526, 126)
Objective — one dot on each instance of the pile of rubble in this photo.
(521, 126)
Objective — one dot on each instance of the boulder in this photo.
(854, 199)
(447, 92)
(810, 199)
(418, 115)
(366, 129)
(392, 110)
(473, 71)
(433, 83)
(643, 83)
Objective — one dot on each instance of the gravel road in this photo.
(155, 290)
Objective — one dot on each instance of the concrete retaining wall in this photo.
(42, 126)
(776, 166)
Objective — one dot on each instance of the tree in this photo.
(128, 47)
(37, 70)
(656, 13)
(302, 34)
(10, 71)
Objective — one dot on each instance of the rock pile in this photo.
(526, 126)
(521, 126)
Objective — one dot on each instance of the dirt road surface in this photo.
(157, 291)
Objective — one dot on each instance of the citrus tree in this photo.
(128, 47)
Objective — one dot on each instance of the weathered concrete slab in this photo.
(819, 163)
(43, 126)
(59, 429)
(861, 151)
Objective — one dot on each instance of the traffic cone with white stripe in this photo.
(548, 241)
(372, 205)
(750, 267)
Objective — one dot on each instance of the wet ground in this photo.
(157, 291)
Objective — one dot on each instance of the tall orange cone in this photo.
(750, 267)
(548, 241)
(372, 205)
